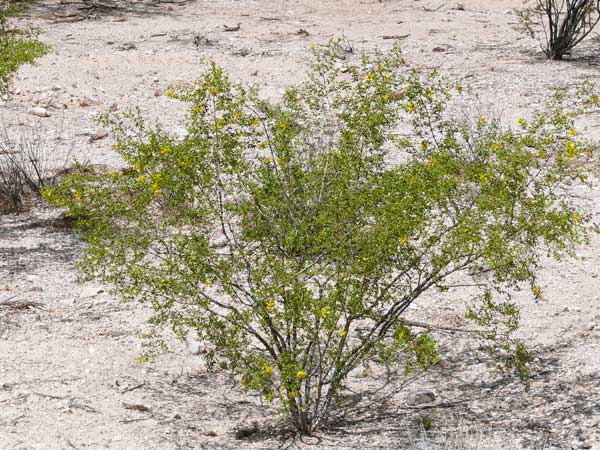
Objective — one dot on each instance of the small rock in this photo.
(157, 92)
(591, 326)
(85, 102)
(420, 397)
(194, 347)
(39, 111)
(177, 416)
(439, 49)
(99, 134)
(245, 430)
(127, 46)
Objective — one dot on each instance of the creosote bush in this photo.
(294, 235)
(565, 23)
(16, 46)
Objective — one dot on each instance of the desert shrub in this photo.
(565, 23)
(16, 46)
(26, 164)
(294, 235)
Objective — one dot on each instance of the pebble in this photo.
(39, 111)
(420, 397)
(194, 346)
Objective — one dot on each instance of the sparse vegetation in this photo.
(565, 23)
(25, 164)
(294, 236)
(17, 47)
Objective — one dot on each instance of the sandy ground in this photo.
(69, 376)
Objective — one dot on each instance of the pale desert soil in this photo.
(68, 364)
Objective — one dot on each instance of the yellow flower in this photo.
(403, 241)
(537, 291)
(268, 370)
(113, 147)
(256, 122)
(142, 359)
(291, 394)
(495, 146)
(155, 188)
(410, 107)
(142, 178)
(483, 120)
(213, 91)
(424, 145)
(522, 122)
(483, 177)
(169, 93)
(595, 100)
(301, 374)
(343, 333)
(369, 76)
(325, 312)
(571, 149)
(311, 46)
(77, 196)
(270, 305)
(137, 167)
(165, 149)
(572, 132)
(576, 218)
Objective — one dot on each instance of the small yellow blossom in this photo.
(424, 145)
(301, 374)
(576, 218)
(77, 196)
(537, 291)
(268, 370)
(165, 149)
(142, 359)
(571, 149)
(291, 394)
(572, 132)
(155, 188)
(312, 46)
(270, 305)
(325, 312)
(343, 333)
(256, 122)
(483, 120)
(483, 177)
(410, 107)
(403, 241)
(213, 91)
(169, 93)
(142, 178)
(114, 147)
(369, 76)
(495, 146)
(522, 122)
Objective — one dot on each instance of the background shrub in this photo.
(565, 23)
(294, 235)
(17, 47)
